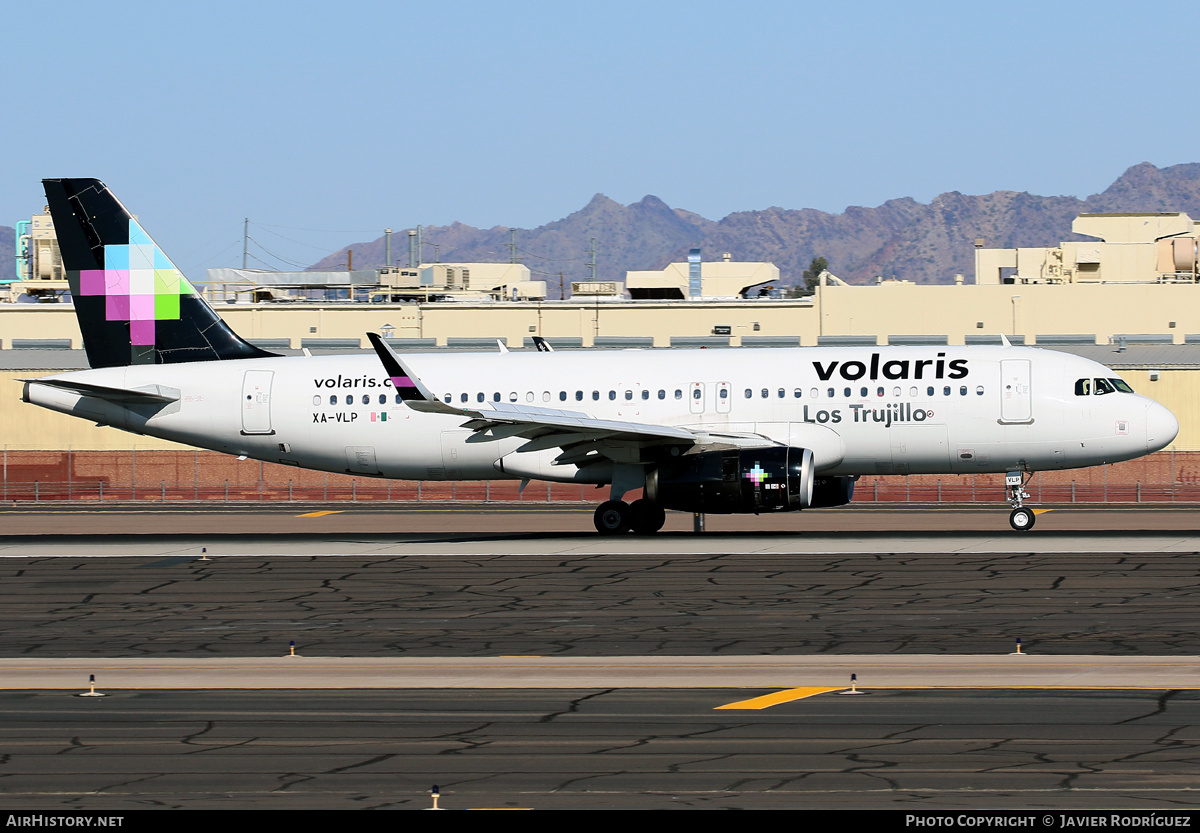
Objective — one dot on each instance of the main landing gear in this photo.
(1021, 518)
(614, 517)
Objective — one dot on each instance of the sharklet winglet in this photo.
(411, 390)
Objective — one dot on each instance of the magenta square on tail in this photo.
(116, 307)
(91, 282)
(141, 333)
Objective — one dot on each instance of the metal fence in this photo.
(897, 489)
(198, 476)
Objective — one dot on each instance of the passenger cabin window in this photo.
(831, 393)
(724, 393)
(612, 395)
(765, 393)
(749, 393)
(929, 390)
(645, 394)
(847, 393)
(796, 393)
(979, 390)
(662, 394)
(678, 393)
(782, 393)
(696, 394)
(333, 399)
(595, 396)
(628, 395)
(479, 397)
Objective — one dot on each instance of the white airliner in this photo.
(732, 430)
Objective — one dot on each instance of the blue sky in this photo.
(324, 123)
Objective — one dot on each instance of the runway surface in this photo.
(518, 660)
(597, 749)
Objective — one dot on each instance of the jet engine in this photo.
(831, 491)
(773, 479)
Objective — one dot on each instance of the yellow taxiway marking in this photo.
(785, 696)
(319, 514)
(1041, 511)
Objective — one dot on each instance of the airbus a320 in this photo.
(708, 431)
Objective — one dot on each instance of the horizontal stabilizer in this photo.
(150, 395)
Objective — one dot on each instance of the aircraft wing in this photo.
(578, 434)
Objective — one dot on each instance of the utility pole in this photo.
(512, 245)
(592, 252)
(387, 233)
(245, 240)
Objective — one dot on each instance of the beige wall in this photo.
(1029, 309)
(887, 309)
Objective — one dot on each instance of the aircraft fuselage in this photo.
(883, 410)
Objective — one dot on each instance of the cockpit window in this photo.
(1121, 385)
(1104, 386)
(1083, 387)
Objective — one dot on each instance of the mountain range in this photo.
(902, 238)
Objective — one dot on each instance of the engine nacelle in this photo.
(774, 479)
(832, 491)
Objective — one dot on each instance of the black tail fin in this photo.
(133, 305)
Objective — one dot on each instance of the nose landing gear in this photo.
(1021, 518)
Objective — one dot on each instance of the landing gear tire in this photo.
(612, 517)
(646, 517)
(1022, 519)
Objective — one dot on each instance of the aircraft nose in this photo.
(1161, 427)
